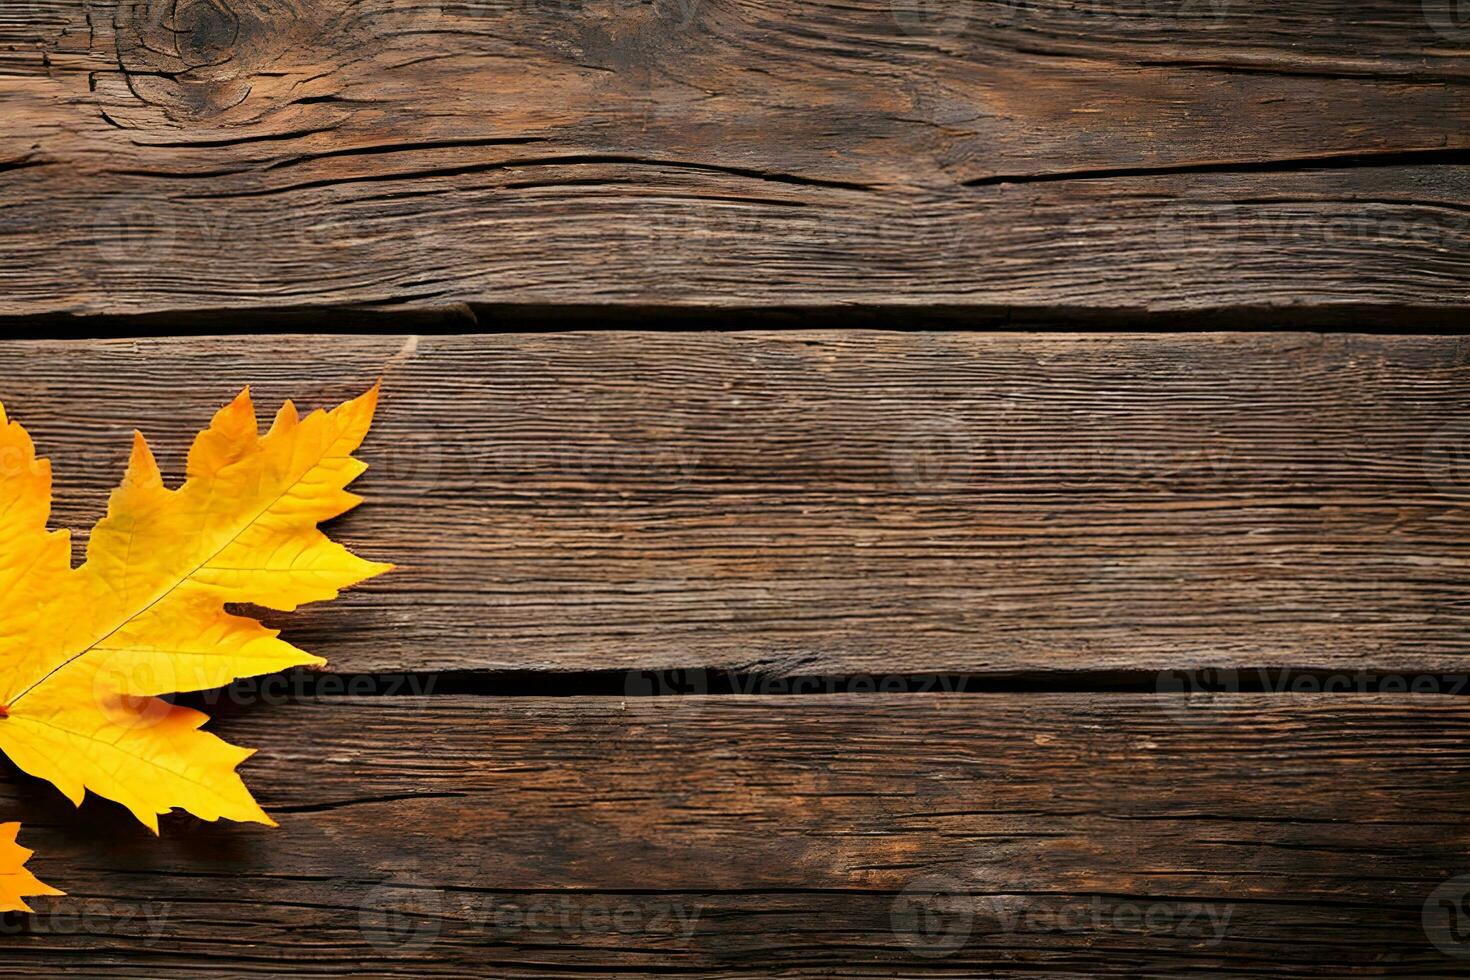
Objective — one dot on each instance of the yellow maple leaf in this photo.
(85, 651)
(16, 883)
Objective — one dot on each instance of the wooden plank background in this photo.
(792, 836)
(1137, 155)
(1124, 523)
(785, 504)
(1167, 631)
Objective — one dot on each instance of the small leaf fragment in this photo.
(16, 883)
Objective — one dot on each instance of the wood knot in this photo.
(196, 59)
(205, 32)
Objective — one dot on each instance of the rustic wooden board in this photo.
(797, 503)
(796, 832)
(1117, 154)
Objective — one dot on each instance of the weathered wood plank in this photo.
(1126, 154)
(787, 836)
(829, 503)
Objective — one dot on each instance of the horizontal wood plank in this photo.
(996, 834)
(791, 503)
(1100, 154)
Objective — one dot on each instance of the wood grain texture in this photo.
(794, 503)
(1099, 154)
(791, 834)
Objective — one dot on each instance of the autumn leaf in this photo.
(16, 883)
(85, 651)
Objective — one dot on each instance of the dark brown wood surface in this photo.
(1114, 155)
(1144, 612)
(1081, 835)
(1126, 529)
(787, 504)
